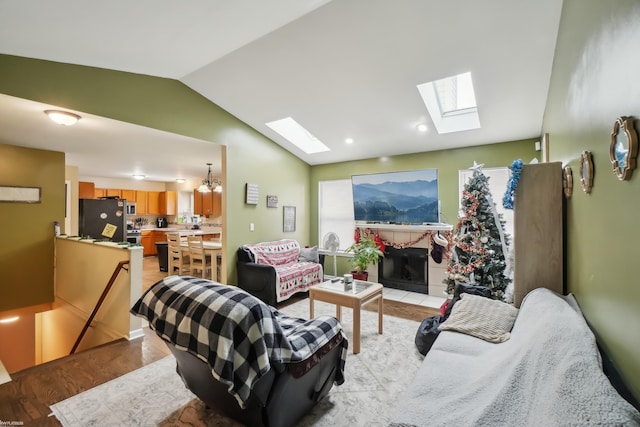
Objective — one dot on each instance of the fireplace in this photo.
(405, 269)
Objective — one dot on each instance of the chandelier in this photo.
(210, 183)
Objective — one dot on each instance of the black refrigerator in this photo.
(103, 219)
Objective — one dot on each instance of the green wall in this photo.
(26, 252)
(448, 163)
(595, 79)
(171, 106)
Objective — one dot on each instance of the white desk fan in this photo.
(331, 242)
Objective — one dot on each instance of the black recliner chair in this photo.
(279, 397)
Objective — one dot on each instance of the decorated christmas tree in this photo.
(480, 242)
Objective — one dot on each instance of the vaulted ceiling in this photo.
(341, 68)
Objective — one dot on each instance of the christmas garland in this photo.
(509, 195)
(367, 232)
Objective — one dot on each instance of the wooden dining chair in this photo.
(178, 259)
(200, 262)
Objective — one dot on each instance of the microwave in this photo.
(131, 208)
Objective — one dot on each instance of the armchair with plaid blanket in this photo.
(242, 356)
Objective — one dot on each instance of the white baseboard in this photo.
(137, 333)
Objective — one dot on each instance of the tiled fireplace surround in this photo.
(400, 234)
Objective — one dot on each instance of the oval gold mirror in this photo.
(567, 181)
(624, 148)
(586, 171)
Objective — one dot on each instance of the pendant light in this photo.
(208, 183)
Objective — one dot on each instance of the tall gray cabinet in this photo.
(538, 230)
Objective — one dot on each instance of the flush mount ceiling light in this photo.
(64, 118)
(422, 127)
(138, 176)
(180, 180)
(209, 182)
(9, 319)
(349, 141)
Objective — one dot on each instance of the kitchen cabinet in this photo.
(128, 195)
(147, 202)
(141, 203)
(148, 245)
(168, 202)
(153, 203)
(86, 190)
(153, 237)
(207, 204)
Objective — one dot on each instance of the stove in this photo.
(133, 236)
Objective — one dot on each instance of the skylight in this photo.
(451, 102)
(293, 132)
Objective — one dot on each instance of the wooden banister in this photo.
(107, 288)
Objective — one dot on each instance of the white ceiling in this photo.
(341, 68)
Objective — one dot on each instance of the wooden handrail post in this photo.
(107, 288)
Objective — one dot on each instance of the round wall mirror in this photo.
(586, 171)
(623, 149)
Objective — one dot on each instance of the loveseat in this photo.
(544, 371)
(274, 271)
(240, 356)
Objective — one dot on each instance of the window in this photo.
(335, 211)
(293, 132)
(451, 102)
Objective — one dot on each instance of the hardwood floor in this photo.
(151, 272)
(27, 397)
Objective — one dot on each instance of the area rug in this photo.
(155, 395)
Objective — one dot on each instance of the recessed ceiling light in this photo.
(64, 118)
(349, 140)
(422, 127)
(138, 176)
(180, 180)
(293, 132)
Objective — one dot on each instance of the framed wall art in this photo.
(19, 194)
(272, 201)
(289, 218)
(252, 194)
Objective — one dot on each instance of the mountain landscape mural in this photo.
(396, 197)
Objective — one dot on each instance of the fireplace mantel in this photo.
(421, 228)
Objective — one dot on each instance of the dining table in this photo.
(211, 248)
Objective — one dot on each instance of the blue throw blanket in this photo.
(239, 336)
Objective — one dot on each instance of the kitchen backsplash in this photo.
(149, 221)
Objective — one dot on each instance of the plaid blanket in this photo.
(239, 336)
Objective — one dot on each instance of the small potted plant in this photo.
(365, 252)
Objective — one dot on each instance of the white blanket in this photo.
(548, 374)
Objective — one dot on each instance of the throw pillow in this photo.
(463, 288)
(309, 254)
(483, 318)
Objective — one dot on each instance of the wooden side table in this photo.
(334, 293)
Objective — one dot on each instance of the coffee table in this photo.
(334, 293)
